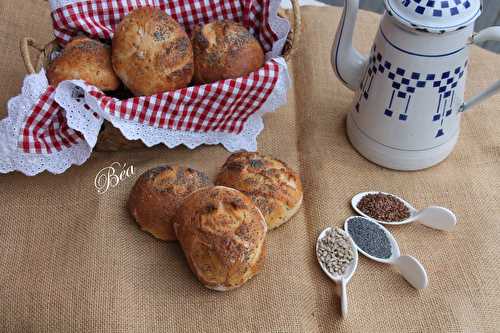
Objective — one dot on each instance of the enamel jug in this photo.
(410, 89)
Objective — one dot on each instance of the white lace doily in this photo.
(12, 158)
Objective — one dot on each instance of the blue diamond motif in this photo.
(437, 13)
(436, 84)
(387, 65)
(431, 77)
(436, 117)
(400, 71)
(431, 3)
(388, 113)
(401, 94)
(440, 133)
(421, 84)
(405, 81)
(454, 11)
(445, 4)
(403, 117)
(466, 4)
(457, 70)
(392, 76)
(415, 76)
(410, 89)
(445, 75)
(396, 85)
(442, 89)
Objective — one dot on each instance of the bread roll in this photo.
(222, 234)
(271, 184)
(84, 59)
(158, 193)
(224, 50)
(152, 53)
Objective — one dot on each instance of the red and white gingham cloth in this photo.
(223, 106)
(46, 129)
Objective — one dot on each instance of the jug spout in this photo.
(347, 62)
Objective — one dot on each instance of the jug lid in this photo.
(437, 16)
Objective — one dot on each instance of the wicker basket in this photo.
(110, 138)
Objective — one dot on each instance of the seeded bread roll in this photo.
(224, 50)
(222, 234)
(84, 59)
(271, 184)
(152, 53)
(158, 193)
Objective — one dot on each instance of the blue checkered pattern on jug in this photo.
(446, 84)
(406, 83)
(437, 8)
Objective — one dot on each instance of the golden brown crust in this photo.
(223, 235)
(84, 59)
(271, 184)
(224, 50)
(158, 193)
(152, 53)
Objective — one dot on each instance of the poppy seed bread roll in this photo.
(84, 59)
(271, 184)
(152, 53)
(222, 234)
(224, 50)
(158, 193)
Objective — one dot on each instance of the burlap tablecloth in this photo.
(72, 260)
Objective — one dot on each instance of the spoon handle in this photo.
(437, 217)
(343, 297)
(413, 271)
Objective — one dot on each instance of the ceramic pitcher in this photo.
(410, 89)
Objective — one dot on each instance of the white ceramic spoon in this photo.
(434, 217)
(411, 269)
(341, 279)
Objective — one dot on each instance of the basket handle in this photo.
(25, 45)
(297, 24)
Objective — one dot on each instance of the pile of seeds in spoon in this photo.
(384, 207)
(335, 251)
(370, 238)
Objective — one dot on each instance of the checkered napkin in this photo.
(226, 112)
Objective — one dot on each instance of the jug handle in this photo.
(488, 34)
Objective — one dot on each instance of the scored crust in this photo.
(158, 193)
(152, 53)
(222, 234)
(271, 184)
(84, 59)
(224, 50)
